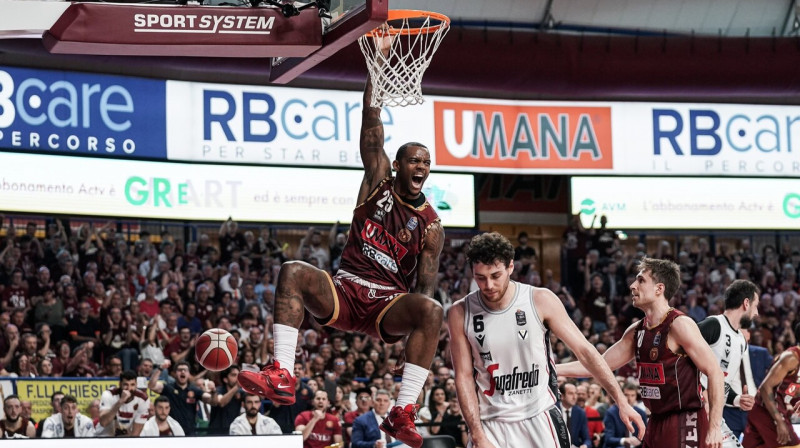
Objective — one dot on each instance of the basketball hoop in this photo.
(397, 76)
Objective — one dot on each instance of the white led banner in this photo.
(688, 202)
(181, 191)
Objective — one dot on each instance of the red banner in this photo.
(508, 137)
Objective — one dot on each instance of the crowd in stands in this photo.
(94, 303)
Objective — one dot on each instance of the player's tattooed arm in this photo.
(376, 163)
(785, 364)
(429, 259)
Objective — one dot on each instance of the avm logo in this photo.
(710, 132)
(587, 207)
(590, 207)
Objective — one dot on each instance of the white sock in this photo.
(285, 345)
(413, 379)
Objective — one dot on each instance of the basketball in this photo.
(216, 349)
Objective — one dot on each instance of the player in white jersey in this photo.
(502, 333)
(123, 409)
(69, 423)
(723, 335)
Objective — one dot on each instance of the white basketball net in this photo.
(397, 77)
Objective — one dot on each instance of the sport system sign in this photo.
(202, 24)
(185, 30)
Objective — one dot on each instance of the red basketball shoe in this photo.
(272, 382)
(400, 425)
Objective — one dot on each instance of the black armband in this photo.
(730, 395)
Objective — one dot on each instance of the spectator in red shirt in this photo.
(180, 347)
(148, 304)
(595, 422)
(319, 428)
(63, 362)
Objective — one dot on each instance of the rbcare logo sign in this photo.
(522, 136)
(76, 113)
(718, 139)
(283, 126)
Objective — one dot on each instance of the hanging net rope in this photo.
(397, 75)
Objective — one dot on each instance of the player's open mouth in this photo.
(417, 181)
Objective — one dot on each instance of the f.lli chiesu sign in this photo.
(39, 391)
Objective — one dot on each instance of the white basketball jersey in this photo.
(731, 351)
(514, 371)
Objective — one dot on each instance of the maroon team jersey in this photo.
(386, 237)
(667, 382)
(21, 431)
(16, 297)
(787, 395)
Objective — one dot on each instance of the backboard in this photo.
(350, 19)
(215, 28)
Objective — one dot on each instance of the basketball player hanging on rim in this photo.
(670, 354)
(502, 332)
(395, 238)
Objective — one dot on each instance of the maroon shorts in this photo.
(761, 430)
(359, 305)
(677, 430)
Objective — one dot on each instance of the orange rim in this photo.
(439, 21)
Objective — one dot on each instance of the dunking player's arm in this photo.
(376, 163)
(786, 363)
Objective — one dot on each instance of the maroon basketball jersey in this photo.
(788, 392)
(386, 237)
(667, 382)
(8, 434)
